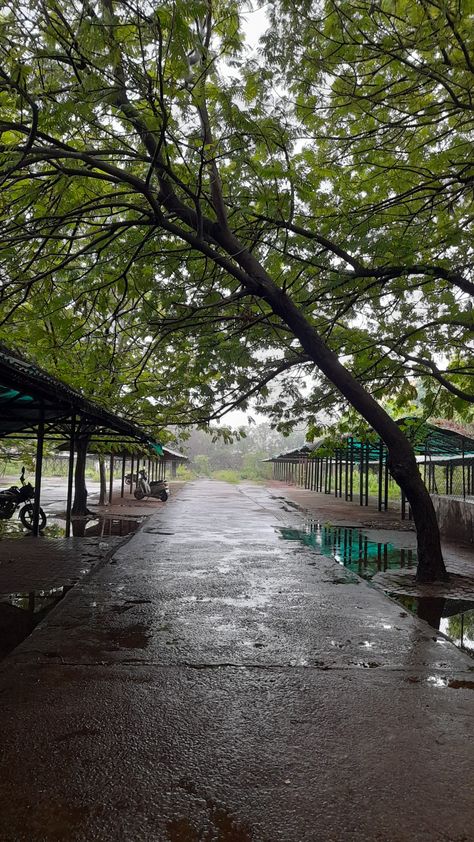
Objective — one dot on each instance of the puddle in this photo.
(80, 527)
(20, 613)
(104, 526)
(442, 681)
(13, 528)
(352, 548)
(452, 617)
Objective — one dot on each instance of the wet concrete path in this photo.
(214, 682)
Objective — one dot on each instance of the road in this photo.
(216, 683)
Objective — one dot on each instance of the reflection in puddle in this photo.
(86, 527)
(453, 617)
(351, 548)
(104, 526)
(21, 612)
(14, 529)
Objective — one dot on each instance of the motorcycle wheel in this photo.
(26, 517)
(138, 494)
(164, 496)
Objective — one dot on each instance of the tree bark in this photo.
(103, 481)
(79, 507)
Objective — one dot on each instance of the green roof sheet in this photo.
(428, 439)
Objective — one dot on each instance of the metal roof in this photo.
(28, 392)
(173, 455)
(429, 439)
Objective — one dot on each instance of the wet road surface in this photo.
(216, 682)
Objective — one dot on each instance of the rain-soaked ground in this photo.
(356, 550)
(100, 525)
(27, 563)
(212, 681)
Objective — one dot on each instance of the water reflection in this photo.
(352, 548)
(82, 527)
(104, 526)
(453, 617)
(21, 612)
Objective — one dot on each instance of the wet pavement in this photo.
(215, 681)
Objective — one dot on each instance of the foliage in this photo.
(353, 189)
(236, 218)
(383, 97)
(201, 465)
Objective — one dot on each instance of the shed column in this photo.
(70, 474)
(38, 471)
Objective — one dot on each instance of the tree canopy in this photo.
(232, 217)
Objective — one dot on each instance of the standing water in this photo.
(355, 550)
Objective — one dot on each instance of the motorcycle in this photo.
(13, 498)
(158, 489)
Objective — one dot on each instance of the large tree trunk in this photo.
(103, 481)
(401, 457)
(79, 507)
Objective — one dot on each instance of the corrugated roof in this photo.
(433, 439)
(26, 390)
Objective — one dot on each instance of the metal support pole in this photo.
(367, 456)
(70, 474)
(111, 484)
(361, 470)
(386, 479)
(380, 475)
(351, 472)
(38, 472)
(131, 474)
(463, 472)
(122, 485)
(346, 475)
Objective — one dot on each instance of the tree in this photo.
(383, 95)
(129, 151)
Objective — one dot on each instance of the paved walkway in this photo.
(215, 682)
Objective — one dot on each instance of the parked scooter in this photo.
(142, 488)
(12, 498)
(158, 489)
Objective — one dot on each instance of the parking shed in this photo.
(35, 405)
